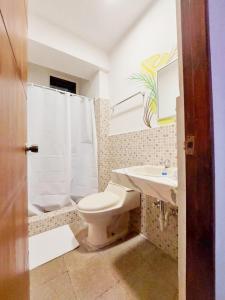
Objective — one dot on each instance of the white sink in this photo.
(155, 181)
(153, 171)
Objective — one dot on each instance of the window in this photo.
(61, 84)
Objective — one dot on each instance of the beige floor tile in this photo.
(126, 257)
(78, 258)
(118, 292)
(43, 292)
(79, 229)
(59, 288)
(148, 286)
(129, 262)
(121, 248)
(131, 270)
(141, 286)
(137, 241)
(47, 271)
(165, 267)
(93, 279)
(170, 271)
(146, 249)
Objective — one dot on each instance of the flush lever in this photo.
(32, 148)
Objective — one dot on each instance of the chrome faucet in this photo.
(166, 163)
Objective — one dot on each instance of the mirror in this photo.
(168, 90)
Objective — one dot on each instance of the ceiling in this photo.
(100, 22)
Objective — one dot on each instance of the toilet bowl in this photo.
(107, 213)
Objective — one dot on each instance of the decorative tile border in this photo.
(47, 221)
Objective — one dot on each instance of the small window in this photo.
(61, 84)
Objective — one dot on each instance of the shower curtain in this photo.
(65, 167)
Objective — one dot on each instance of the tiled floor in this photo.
(133, 269)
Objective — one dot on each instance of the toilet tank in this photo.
(130, 198)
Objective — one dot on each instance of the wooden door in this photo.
(14, 278)
(200, 198)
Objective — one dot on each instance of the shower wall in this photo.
(136, 148)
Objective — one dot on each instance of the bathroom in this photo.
(112, 98)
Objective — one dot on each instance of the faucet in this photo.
(166, 163)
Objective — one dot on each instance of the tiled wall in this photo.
(137, 148)
(143, 147)
(102, 114)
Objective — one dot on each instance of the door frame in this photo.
(198, 111)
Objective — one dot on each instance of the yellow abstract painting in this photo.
(147, 78)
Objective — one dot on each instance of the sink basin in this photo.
(155, 181)
(153, 171)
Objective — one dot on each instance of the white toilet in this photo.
(107, 213)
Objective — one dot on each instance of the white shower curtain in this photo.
(83, 147)
(63, 126)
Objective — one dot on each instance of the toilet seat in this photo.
(99, 201)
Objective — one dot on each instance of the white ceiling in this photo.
(100, 22)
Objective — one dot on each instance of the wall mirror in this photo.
(167, 90)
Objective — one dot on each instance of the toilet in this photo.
(107, 213)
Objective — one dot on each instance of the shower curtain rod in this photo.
(128, 98)
(56, 90)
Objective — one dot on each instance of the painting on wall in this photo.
(147, 79)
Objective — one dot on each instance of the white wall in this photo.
(46, 40)
(155, 32)
(217, 45)
(97, 86)
(41, 75)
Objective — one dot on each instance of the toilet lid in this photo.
(98, 201)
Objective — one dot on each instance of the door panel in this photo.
(14, 16)
(200, 265)
(14, 276)
(12, 129)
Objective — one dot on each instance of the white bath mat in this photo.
(50, 244)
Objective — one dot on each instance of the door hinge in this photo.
(189, 145)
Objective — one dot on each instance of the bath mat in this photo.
(48, 245)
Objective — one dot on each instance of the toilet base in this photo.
(110, 241)
(105, 233)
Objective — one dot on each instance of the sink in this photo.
(155, 181)
(153, 171)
